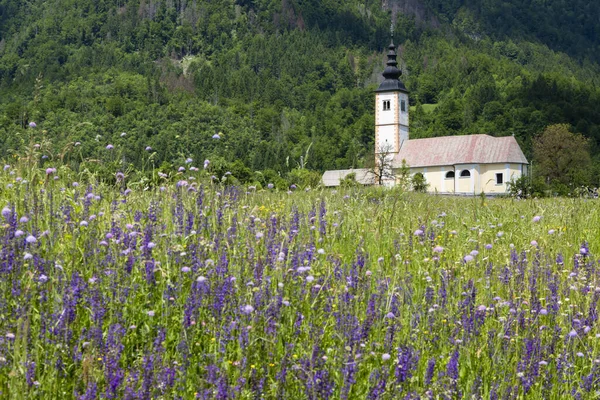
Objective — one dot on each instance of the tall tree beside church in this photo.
(562, 157)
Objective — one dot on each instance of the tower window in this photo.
(499, 179)
(465, 173)
(386, 105)
(403, 105)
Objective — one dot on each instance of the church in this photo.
(466, 165)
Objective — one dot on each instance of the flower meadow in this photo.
(196, 290)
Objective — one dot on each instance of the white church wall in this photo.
(386, 134)
(386, 116)
(403, 134)
(403, 115)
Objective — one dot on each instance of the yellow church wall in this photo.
(482, 178)
(509, 172)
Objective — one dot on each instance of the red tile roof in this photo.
(452, 150)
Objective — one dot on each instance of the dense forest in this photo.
(287, 85)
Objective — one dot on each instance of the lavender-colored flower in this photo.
(310, 278)
(385, 356)
(151, 313)
(488, 246)
(189, 160)
(31, 239)
(551, 232)
(186, 269)
(438, 249)
(534, 243)
(19, 233)
(28, 256)
(201, 279)
(418, 232)
(247, 309)
(120, 176)
(573, 333)
(6, 167)
(536, 218)
(216, 136)
(148, 148)
(50, 171)
(43, 278)
(474, 253)
(32, 124)
(109, 147)
(390, 315)
(270, 186)
(6, 212)
(468, 258)
(10, 335)
(83, 223)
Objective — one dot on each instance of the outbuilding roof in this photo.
(333, 178)
(453, 150)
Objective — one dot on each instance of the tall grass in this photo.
(205, 291)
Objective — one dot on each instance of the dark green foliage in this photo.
(286, 84)
(418, 182)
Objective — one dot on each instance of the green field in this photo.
(195, 289)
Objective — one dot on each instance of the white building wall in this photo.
(403, 115)
(387, 116)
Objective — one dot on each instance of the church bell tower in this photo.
(391, 109)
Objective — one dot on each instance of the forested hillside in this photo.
(286, 84)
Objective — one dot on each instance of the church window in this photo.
(465, 173)
(386, 105)
(403, 105)
(499, 179)
(450, 175)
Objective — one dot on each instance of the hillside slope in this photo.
(287, 82)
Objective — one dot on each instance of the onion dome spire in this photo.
(391, 73)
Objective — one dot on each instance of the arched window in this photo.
(450, 175)
(465, 173)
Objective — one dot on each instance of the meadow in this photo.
(191, 289)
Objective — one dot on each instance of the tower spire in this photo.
(391, 73)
